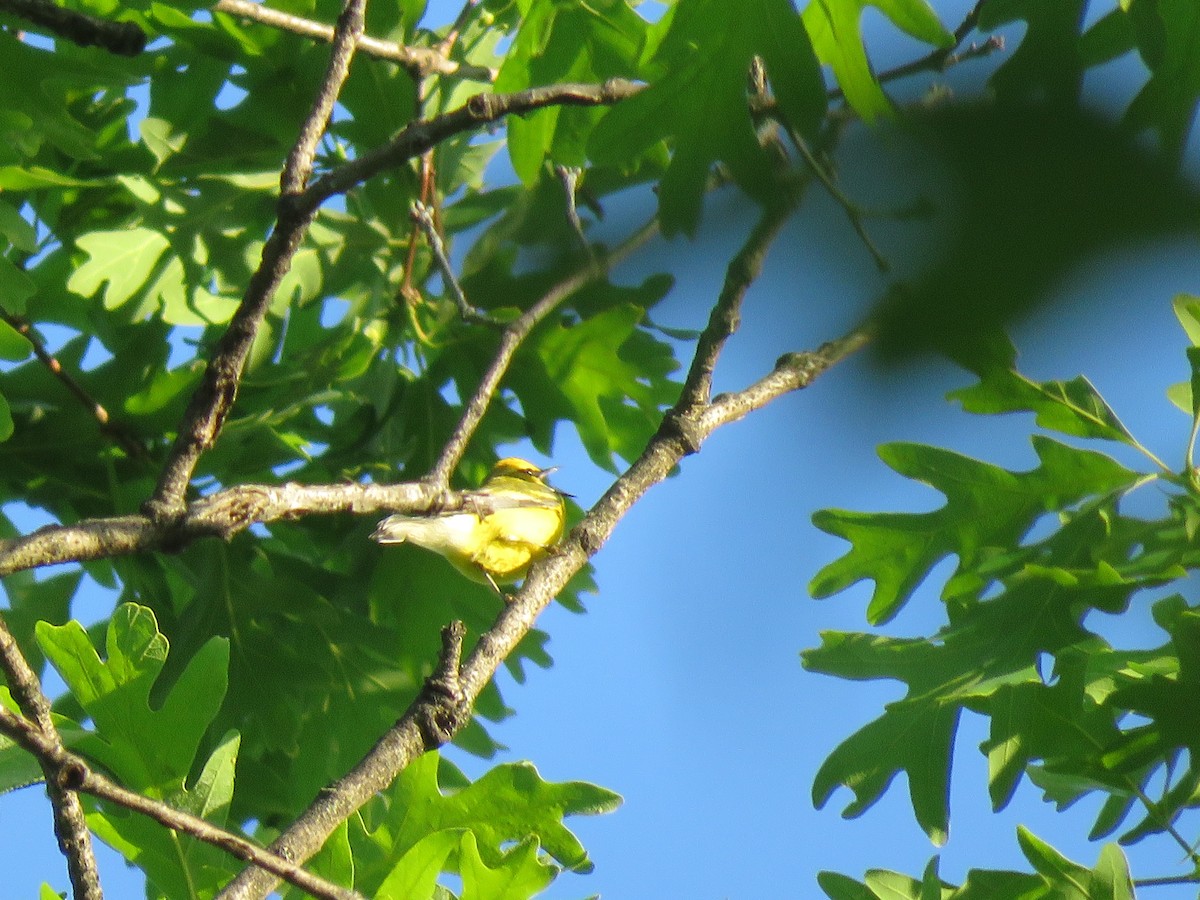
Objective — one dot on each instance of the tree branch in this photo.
(68, 773)
(417, 61)
(70, 825)
(213, 398)
(725, 317)
(423, 217)
(410, 737)
(223, 514)
(480, 109)
(122, 38)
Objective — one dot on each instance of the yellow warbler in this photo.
(520, 516)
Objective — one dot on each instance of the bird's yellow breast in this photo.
(509, 540)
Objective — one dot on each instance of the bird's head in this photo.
(515, 467)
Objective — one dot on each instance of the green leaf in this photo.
(405, 838)
(15, 287)
(915, 738)
(1033, 192)
(120, 261)
(1193, 357)
(1168, 33)
(6, 420)
(605, 375)
(176, 864)
(13, 344)
(18, 767)
(841, 887)
(158, 137)
(559, 43)
(150, 748)
(893, 885)
(1111, 37)
(1057, 723)
(508, 803)
(1110, 878)
(1072, 407)
(19, 232)
(979, 661)
(32, 178)
(519, 875)
(835, 28)
(417, 871)
(701, 69)
(1153, 686)
(37, 600)
(1187, 311)
(986, 507)
(1047, 65)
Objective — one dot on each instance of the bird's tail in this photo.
(395, 529)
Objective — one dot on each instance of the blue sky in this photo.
(681, 688)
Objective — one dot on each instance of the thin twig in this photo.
(122, 38)
(943, 58)
(214, 397)
(1166, 880)
(792, 372)
(940, 60)
(69, 773)
(725, 317)
(423, 216)
(849, 207)
(70, 824)
(407, 740)
(124, 438)
(478, 110)
(418, 61)
(460, 22)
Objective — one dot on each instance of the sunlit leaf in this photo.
(120, 262)
(151, 747)
(987, 507)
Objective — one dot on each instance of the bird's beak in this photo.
(542, 473)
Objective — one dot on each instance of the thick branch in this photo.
(69, 773)
(408, 738)
(123, 38)
(214, 397)
(419, 61)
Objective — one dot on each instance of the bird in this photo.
(510, 522)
